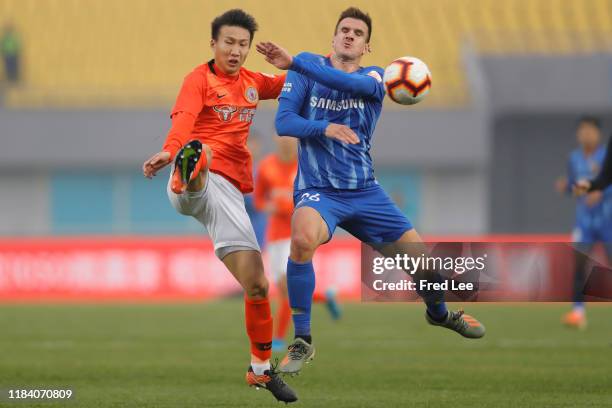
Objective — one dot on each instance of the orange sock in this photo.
(282, 319)
(318, 297)
(259, 327)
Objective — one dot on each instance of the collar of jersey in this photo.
(329, 63)
(214, 68)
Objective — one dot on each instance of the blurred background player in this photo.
(274, 195)
(259, 218)
(332, 104)
(593, 211)
(212, 170)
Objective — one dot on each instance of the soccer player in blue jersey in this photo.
(332, 105)
(593, 211)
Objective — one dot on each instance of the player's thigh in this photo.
(377, 219)
(315, 217)
(225, 218)
(308, 228)
(246, 266)
(190, 202)
(278, 253)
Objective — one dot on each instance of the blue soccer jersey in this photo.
(592, 223)
(315, 94)
(336, 178)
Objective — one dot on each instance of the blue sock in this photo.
(436, 309)
(300, 285)
(434, 299)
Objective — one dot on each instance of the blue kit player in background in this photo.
(593, 210)
(332, 105)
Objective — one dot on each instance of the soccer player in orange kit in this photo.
(213, 169)
(274, 195)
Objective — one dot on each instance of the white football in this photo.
(407, 80)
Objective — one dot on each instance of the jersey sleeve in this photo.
(368, 85)
(180, 132)
(288, 121)
(191, 96)
(269, 85)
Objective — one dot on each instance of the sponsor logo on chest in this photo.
(336, 105)
(226, 113)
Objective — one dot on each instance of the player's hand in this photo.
(157, 162)
(275, 55)
(581, 187)
(593, 198)
(561, 185)
(342, 133)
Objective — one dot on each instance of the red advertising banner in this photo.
(186, 268)
(143, 269)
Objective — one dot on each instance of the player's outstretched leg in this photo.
(436, 314)
(188, 163)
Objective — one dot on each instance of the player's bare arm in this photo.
(155, 163)
(281, 59)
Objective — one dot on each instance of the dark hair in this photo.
(591, 120)
(236, 18)
(354, 12)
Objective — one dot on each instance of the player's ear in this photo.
(366, 49)
(212, 43)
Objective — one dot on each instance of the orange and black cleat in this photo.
(575, 319)
(271, 381)
(187, 165)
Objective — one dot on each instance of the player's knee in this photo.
(257, 288)
(303, 245)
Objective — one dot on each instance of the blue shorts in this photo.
(368, 214)
(586, 234)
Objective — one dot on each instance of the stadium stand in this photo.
(94, 53)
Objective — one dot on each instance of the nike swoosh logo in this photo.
(220, 96)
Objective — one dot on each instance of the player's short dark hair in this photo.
(354, 12)
(235, 18)
(590, 120)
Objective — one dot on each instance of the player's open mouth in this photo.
(233, 62)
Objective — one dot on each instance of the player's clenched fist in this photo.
(581, 187)
(157, 162)
(342, 133)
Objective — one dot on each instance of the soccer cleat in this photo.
(332, 304)
(465, 325)
(299, 353)
(187, 165)
(271, 381)
(575, 320)
(278, 344)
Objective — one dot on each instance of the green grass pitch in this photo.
(379, 355)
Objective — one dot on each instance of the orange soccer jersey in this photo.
(223, 107)
(275, 185)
